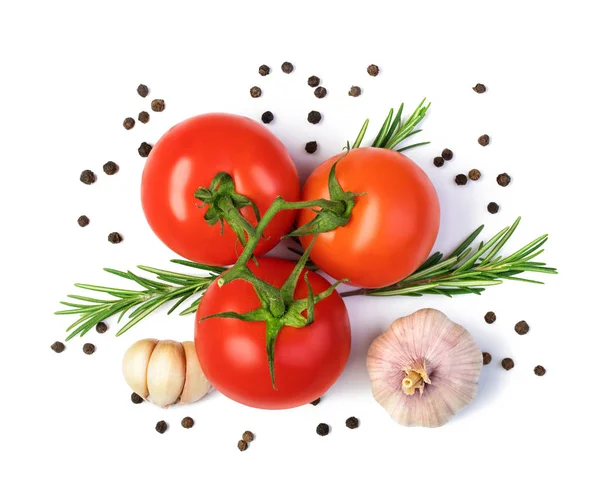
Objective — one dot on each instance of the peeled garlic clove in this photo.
(166, 373)
(196, 384)
(135, 365)
(424, 351)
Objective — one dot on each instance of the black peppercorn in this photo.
(484, 140)
(438, 161)
(144, 149)
(447, 154)
(373, 70)
(58, 347)
(461, 179)
(521, 328)
(479, 88)
(508, 364)
(255, 92)
(490, 317)
(311, 147)
(493, 207)
(135, 398)
(144, 117)
(101, 327)
(248, 436)
(267, 117)
(128, 123)
(539, 370)
(115, 238)
(89, 348)
(314, 403)
(287, 67)
(83, 221)
(142, 90)
(87, 177)
(264, 70)
(503, 179)
(322, 429)
(354, 91)
(242, 445)
(110, 168)
(314, 117)
(487, 358)
(320, 92)
(352, 422)
(161, 427)
(474, 174)
(187, 422)
(314, 81)
(157, 105)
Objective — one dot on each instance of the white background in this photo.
(68, 75)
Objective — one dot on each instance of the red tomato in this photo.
(233, 354)
(393, 226)
(188, 156)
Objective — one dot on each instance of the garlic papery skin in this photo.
(428, 352)
(165, 372)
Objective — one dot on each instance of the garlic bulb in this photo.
(165, 372)
(424, 368)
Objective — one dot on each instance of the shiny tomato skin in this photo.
(393, 226)
(188, 156)
(233, 355)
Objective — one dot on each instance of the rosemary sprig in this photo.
(468, 270)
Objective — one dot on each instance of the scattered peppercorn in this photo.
(493, 207)
(144, 149)
(267, 117)
(115, 238)
(135, 398)
(320, 92)
(311, 147)
(521, 328)
(89, 348)
(508, 364)
(352, 422)
(461, 179)
(87, 177)
(101, 327)
(144, 117)
(355, 91)
(287, 67)
(314, 403)
(503, 179)
(314, 117)
(242, 445)
(373, 70)
(187, 422)
(83, 221)
(248, 436)
(474, 174)
(487, 358)
(58, 347)
(447, 154)
(490, 317)
(479, 88)
(314, 81)
(264, 70)
(161, 427)
(539, 370)
(438, 161)
(110, 168)
(484, 140)
(128, 123)
(255, 92)
(158, 105)
(322, 429)
(142, 90)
